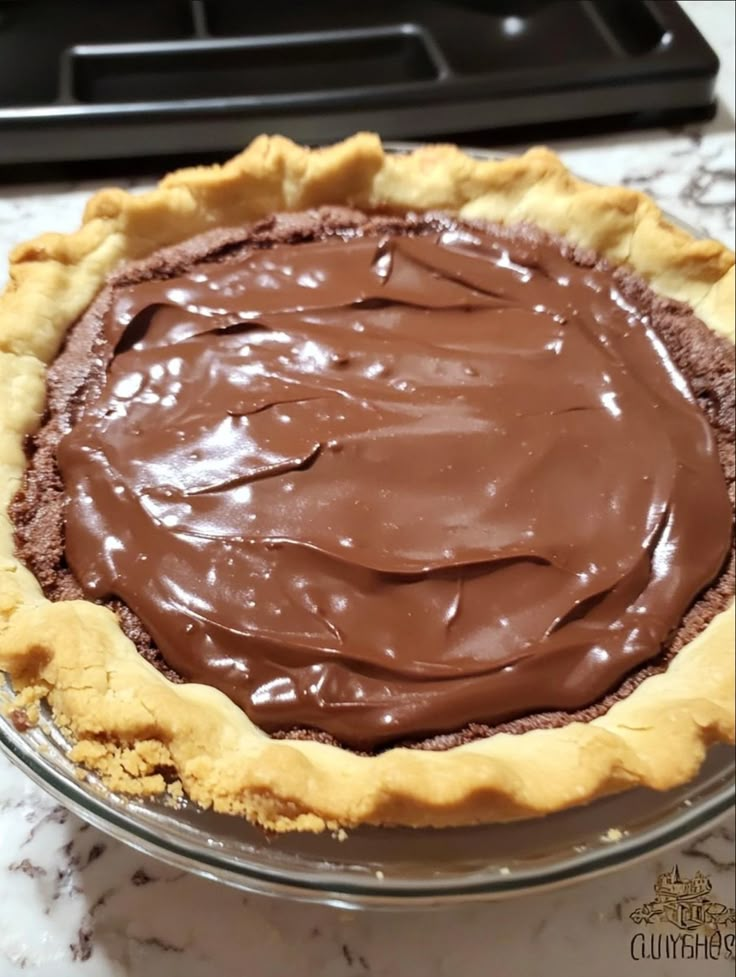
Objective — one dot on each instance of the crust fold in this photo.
(140, 732)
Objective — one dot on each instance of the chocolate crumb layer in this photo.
(77, 376)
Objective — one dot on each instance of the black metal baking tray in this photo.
(111, 80)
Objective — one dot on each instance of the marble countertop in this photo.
(74, 902)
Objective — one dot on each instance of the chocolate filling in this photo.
(389, 479)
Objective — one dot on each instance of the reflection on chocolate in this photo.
(387, 485)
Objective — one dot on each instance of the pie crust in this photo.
(145, 736)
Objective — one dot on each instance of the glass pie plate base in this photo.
(382, 867)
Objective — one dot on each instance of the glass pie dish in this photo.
(382, 866)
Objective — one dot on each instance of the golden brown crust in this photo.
(129, 723)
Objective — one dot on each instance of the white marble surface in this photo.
(75, 903)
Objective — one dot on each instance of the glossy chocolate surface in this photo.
(388, 485)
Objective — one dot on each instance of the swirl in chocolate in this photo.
(387, 485)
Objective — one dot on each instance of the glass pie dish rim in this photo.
(346, 887)
(110, 813)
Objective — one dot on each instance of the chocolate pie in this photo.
(351, 488)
